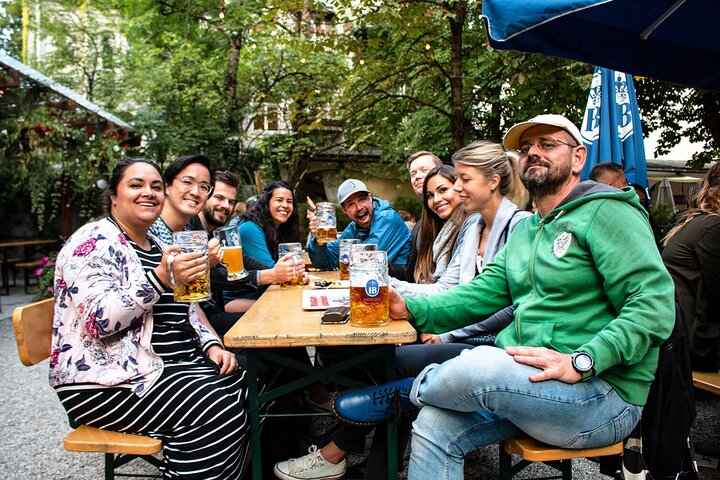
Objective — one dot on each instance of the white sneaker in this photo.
(310, 467)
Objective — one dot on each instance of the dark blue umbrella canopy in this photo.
(673, 40)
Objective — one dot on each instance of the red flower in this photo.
(85, 248)
(54, 357)
(126, 146)
(44, 261)
(38, 272)
(92, 327)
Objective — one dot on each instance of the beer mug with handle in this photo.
(345, 245)
(199, 289)
(369, 291)
(232, 257)
(326, 223)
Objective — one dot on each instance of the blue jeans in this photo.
(483, 396)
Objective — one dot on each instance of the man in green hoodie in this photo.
(593, 304)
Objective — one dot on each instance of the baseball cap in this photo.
(512, 137)
(348, 187)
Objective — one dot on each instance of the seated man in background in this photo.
(609, 173)
(373, 221)
(594, 303)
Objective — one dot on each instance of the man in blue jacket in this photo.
(373, 221)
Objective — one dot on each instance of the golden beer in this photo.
(233, 261)
(344, 268)
(370, 307)
(295, 282)
(197, 291)
(326, 235)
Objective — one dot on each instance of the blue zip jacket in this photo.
(387, 230)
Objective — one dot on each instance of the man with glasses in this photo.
(188, 184)
(593, 304)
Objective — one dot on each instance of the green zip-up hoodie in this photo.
(586, 277)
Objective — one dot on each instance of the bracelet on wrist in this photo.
(171, 270)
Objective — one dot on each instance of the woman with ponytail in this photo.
(488, 187)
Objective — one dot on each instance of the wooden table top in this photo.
(26, 243)
(277, 319)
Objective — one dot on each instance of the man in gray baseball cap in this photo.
(373, 221)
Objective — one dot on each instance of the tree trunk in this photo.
(231, 78)
(711, 112)
(457, 109)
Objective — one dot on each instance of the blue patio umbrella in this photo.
(611, 128)
(673, 40)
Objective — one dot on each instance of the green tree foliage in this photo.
(681, 113)
(338, 76)
(425, 78)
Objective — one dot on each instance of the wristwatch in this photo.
(583, 363)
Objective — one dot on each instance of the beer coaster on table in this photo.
(324, 299)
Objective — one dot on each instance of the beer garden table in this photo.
(277, 319)
(29, 248)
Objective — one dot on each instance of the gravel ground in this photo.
(34, 425)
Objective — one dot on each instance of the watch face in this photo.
(583, 362)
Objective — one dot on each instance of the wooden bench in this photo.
(11, 265)
(33, 334)
(28, 268)
(533, 451)
(708, 381)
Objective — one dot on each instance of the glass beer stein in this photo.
(326, 223)
(231, 247)
(199, 289)
(344, 256)
(297, 259)
(369, 291)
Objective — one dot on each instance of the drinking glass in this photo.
(232, 257)
(199, 289)
(326, 223)
(369, 291)
(297, 259)
(344, 256)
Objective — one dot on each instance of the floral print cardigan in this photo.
(103, 319)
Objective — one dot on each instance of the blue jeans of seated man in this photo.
(483, 396)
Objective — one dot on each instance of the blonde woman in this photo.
(487, 186)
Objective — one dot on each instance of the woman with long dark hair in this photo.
(444, 225)
(272, 220)
(126, 356)
(692, 256)
(489, 190)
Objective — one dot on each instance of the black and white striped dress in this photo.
(199, 415)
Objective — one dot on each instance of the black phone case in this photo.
(336, 315)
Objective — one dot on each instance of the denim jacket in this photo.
(103, 319)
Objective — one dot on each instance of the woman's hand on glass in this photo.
(222, 358)
(286, 269)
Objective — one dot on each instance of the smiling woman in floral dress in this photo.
(126, 356)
